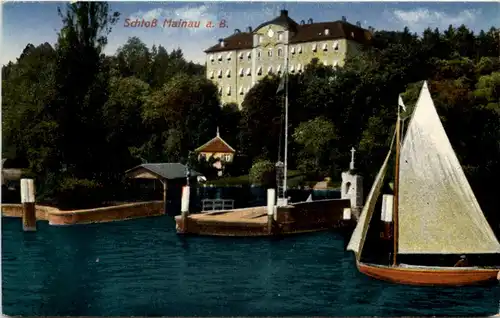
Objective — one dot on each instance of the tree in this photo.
(263, 173)
(315, 136)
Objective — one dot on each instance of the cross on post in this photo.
(351, 165)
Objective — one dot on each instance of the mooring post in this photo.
(271, 203)
(185, 206)
(165, 188)
(28, 202)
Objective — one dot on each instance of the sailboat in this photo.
(436, 217)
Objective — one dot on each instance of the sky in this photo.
(38, 22)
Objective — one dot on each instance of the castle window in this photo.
(280, 36)
(314, 47)
(212, 74)
(259, 71)
(261, 38)
(278, 70)
(220, 91)
(336, 45)
(270, 53)
(240, 56)
(219, 57)
(325, 47)
(229, 55)
(212, 57)
(269, 70)
(259, 53)
(299, 67)
(293, 49)
(242, 91)
(249, 55)
(280, 52)
(242, 72)
(228, 91)
(228, 73)
(300, 48)
(219, 74)
(249, 72)
(292, 69)
(327, 31)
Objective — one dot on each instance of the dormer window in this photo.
(249, 72)
(228, 56)
(219, 74)
(280, 52)
(212, 58)
(242, 72)
(212, 74)
(280, 36)
(249, 55)
(314, 47)
(240, 55)
(219, 57)
(336, 45)
(325, 47)
(269, 70)
(259, 71)
(228, 73)
(352, 34)
(327, 31)
(228, 91)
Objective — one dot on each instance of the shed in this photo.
(164, 172)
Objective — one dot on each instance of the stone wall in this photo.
(98, 215)
(16, 211)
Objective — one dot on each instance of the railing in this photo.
(216, 205)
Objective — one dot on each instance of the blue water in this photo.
(141, 267)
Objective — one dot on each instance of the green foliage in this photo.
(263, 173)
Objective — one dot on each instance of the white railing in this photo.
(209, 205)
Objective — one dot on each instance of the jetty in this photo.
(279, 217)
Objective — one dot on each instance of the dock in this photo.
(295, 218)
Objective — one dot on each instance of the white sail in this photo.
(438, 212)
(358, 236)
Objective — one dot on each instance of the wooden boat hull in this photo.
(430, 276)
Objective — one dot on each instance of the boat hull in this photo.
(430, 276)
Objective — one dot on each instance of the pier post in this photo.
(165, 188)
(271, 203)
(28, 202)
(185, 207)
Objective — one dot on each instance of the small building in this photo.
(216, 148)
(173, 177)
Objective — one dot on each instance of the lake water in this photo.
(142, 267)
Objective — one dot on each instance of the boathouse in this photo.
(173, 176)
(216, 148)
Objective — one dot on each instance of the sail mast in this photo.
(396, 188)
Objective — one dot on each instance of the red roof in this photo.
(217, 144)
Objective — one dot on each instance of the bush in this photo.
(263, 173)
(75, 193)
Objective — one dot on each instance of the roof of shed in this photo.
(167, 171)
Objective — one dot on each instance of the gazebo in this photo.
(165, 172)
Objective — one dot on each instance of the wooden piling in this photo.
(28, 203)
(271, 203)
(185, 207)
(165, 187)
